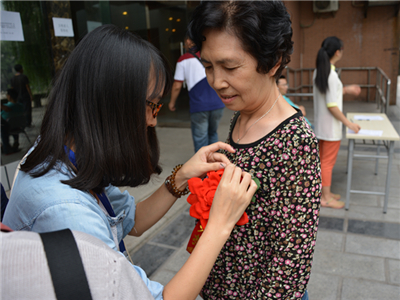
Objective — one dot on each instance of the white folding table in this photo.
(386, 134)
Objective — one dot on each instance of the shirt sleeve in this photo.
(297, 190)
(332, 93)
(156, 289)
(179, 72)
(123, 202)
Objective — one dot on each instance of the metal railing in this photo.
(302, 84)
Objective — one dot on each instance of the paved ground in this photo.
(357, 252)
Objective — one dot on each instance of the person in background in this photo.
(328, 115)
(94, 140)
(244, 47)
(8, 110)
(206, 108)
(20, 83)
(283, 88)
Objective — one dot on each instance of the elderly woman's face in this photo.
(231, 72)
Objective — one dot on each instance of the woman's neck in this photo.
(334, 60)
(263, 107)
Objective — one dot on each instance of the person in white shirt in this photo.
(206, 108)
(328, 116)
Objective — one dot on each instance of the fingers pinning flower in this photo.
(202, 196)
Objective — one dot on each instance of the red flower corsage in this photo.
(201, 198)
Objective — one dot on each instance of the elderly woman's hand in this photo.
(205, 160)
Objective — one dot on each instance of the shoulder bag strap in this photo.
(65, 264)
(103, 198)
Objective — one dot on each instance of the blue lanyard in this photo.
(102, 196)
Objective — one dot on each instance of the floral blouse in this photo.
(270, 257)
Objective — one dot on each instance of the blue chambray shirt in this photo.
(45, 204)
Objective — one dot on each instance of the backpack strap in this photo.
(65, 264)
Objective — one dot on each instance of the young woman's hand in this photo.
(352, 89)
(205, 160)
(232, 197)
(355, 127)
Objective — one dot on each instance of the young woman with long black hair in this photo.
(97, 134)
(328, 116)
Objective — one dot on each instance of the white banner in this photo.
(11, 26)
(63, 27)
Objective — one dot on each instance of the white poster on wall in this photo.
(11, 26)
(63, 27)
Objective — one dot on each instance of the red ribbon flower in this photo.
(202, 196)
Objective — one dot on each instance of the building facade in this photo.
(369, 30)
(43, 54)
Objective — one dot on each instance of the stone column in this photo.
(61, 46)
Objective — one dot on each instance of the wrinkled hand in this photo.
(205, 160)
(232, 197)
(355, 127)
(353, 89)
(171, 106)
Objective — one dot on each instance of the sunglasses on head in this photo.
(155, 108)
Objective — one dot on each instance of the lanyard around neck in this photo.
(102, 196)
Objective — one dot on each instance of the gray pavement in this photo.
(357, 252)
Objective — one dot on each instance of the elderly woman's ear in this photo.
(272, 72)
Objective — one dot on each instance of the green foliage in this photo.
(34, 53)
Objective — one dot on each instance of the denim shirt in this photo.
(45, 204)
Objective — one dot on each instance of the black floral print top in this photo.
(270, 257)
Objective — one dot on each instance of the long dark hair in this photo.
(98, 105)
(263, 27)
(328, 49)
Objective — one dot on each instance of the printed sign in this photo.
(63, 27)
(11, 26)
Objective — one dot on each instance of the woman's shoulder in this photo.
(48, 186)
(32, 196)
(283, 131)
(296, 128)
(333, 75)
(294, 122)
